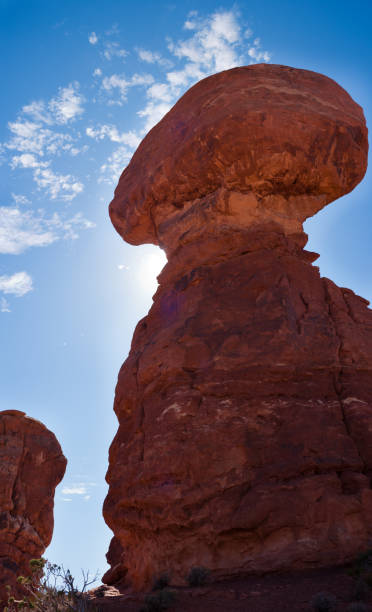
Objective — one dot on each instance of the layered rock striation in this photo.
(244, 407)
(31, 466)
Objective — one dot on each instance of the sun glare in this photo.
(149, 268)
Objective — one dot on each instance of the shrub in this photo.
(362, 565)
(323, 602)
(50, 588)
(159, 601)
(360, 590)
(161, 582)
(368, 578)
(357, 606)
(198, 576)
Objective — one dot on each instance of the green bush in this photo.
(198, 576)
(161, 582)
(357, 606)
(360, 590)
(50, 588)
(159, 601)
(323, 602)
(362, 565)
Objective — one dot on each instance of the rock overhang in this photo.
(260, 142)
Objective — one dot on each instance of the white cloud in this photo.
(93, 38)
(160, 91)
(68, 228)
(37, 110)
(34, 142)
(153, 112)
(255, 53)
(20, 199)
(79, 488)
(18, 284)
(113, 49)
(4, 305)
(23, 229)
(141, 79)
(75, 490)
(27, 160)
(214, 44)
(62, 186)
(115, 164)
(152, 57)
(32, 138)
(191, 23)
(68, 104)
(120, 82)
(115, 81)
(27, 136)
(111, 131)
(148, 56)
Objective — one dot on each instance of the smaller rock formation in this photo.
(31, 466)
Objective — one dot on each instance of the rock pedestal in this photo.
(31, 466)
(244, 407)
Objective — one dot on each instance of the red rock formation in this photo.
(31, 466)
(244, 407)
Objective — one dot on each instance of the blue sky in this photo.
(82, 83)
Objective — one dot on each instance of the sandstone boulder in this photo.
(244, 407)
(31, 466)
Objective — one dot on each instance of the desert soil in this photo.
(284, 592)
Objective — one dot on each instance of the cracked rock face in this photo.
(244, 407)
(31, 466)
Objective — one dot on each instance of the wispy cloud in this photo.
(63, 186)
(120, 83)
(47, 135)
(4, 305)
(74, 490)
(61, 109)
(112, 133)
(34, 141)
(80, 489)
(93, 38)
(68, 104)
(17, 284)
(214, 43)
(257, 54)
(23, 229)
(153, 57)
(113, 167)
(20, 198)
(113, 49)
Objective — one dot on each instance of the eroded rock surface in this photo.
(244, 407)
(31, 466)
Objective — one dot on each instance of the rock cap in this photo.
(251, 144)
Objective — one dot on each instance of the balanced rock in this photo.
(244, 407)
(31, 466)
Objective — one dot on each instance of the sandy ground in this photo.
(285, 592)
